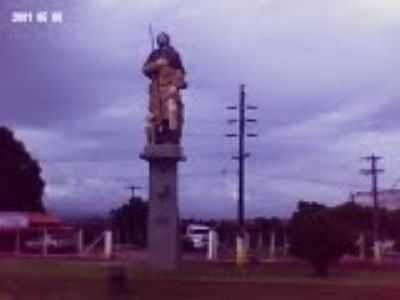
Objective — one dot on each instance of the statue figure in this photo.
(165, 70)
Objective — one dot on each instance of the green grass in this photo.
(56, 279)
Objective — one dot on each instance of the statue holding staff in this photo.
(167, 74)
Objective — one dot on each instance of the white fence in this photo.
(265, 250)
(64, 241)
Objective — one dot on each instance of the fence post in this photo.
(44, 242)
(272, 245)
(107, 243)
(377, 252)
(260, 242)
(212, 245)
(361, 246)
(80, 241)
(285, 245)
(17, 246)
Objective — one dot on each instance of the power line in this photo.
(342, 184)
(386, 196)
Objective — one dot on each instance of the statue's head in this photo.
(163, 39)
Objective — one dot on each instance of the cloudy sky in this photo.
(324, 75)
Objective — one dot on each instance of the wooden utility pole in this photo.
(373, 172)
(242, 155)
(133, 189)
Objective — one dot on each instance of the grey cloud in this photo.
(77, 96)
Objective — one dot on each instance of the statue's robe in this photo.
(162, 79)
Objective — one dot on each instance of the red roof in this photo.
(41, 219)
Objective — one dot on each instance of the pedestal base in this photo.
(163, 222)
(242, 248)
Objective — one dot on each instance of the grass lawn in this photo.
(51, 279)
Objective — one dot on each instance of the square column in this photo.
(163, 220)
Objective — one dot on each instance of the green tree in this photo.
(21, 185)
(130, 221)
(317, 237)
(354, 215)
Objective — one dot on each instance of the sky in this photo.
(322, 73)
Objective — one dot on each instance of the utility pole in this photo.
(133, 189)
(352, 197)
(241, 251)
(373, 172)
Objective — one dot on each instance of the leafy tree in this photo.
(392, 227)
(130, 221)
(356, 216)
(21, 185)
(317, 237)
(359, 219)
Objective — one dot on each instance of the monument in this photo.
(164, 125)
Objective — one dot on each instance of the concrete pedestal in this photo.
(163, 222)
(242, 248)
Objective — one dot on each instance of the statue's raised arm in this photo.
(167, 74)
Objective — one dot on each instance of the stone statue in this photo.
(165, 70)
